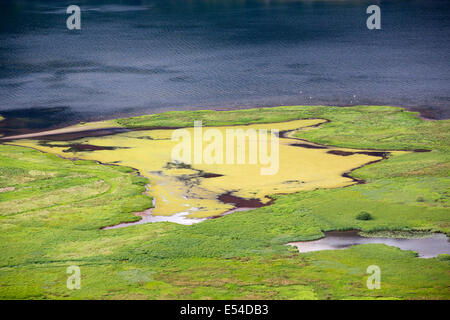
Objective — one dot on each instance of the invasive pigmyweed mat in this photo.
(220, 147)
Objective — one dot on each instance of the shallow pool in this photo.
(426, 247)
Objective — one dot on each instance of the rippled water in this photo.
(136, 57)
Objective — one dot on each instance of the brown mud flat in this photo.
(239, 202)
(77, 147)
(382, 154)
(307, 146)
(341, 153)
(208, 175)
(80, 147)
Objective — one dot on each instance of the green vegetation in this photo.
(51, 211)
(363, 215)
(359, 127)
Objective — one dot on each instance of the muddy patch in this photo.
(308, 146)
(239, 202)
(78, 147)
(341, 153)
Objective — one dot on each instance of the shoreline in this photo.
(29, 132)
(425, 244)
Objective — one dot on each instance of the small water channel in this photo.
(426, 247)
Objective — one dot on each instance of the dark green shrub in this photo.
(444, 257)
(363, 215)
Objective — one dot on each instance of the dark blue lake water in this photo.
(138, 57)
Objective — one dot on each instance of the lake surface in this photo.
(426, 247)
(141, 57)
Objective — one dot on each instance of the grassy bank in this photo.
(51, 210)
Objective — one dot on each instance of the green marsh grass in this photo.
(52, 209)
